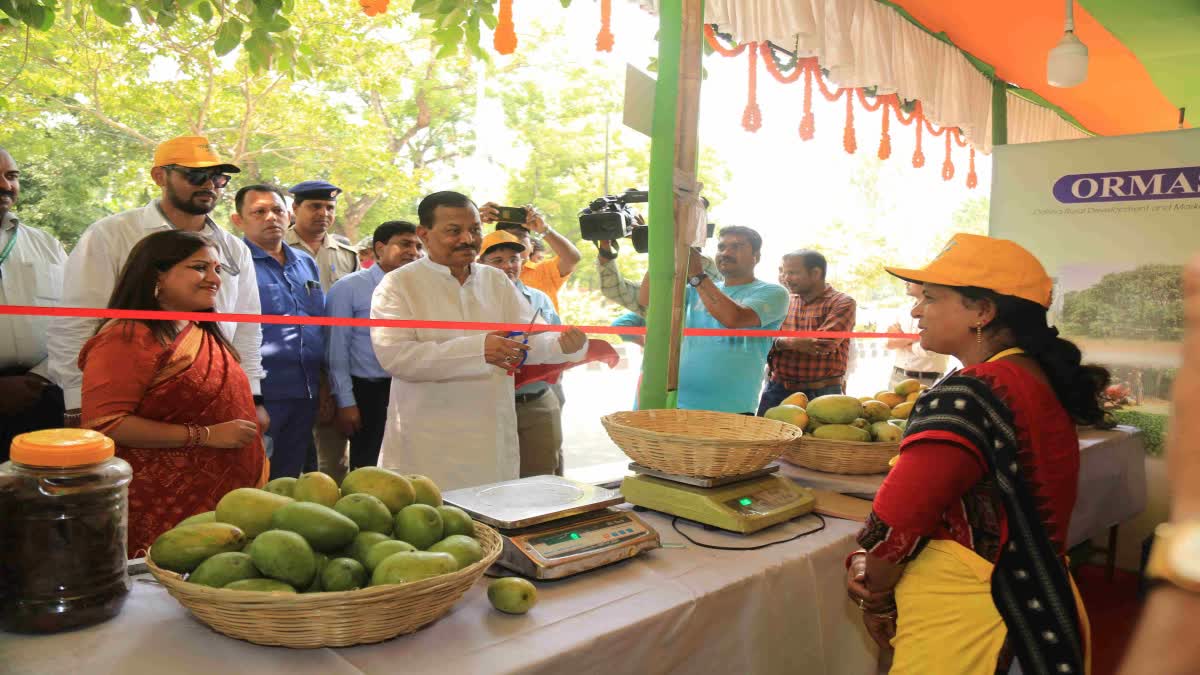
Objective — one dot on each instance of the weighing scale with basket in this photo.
(745, 503)
(553, 527)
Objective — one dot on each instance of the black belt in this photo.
(526, 398)
(372, 380)
(14, 370)
(916, 373)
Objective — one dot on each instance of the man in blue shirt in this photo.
(726, 373)
(539, 413)
(288, 285)
(361, 387)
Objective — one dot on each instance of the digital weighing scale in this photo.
(745, 503)
(553, 527)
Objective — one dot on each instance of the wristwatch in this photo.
(697, 280)
(1175, 555)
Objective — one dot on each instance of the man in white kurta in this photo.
(451, 412)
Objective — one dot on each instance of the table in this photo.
(678, 610)
(1112, 484)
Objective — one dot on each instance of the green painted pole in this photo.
(999, 112)
(662, 207)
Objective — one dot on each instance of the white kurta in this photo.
(451, 415)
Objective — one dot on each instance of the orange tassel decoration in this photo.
(918, 159)
(505, 38)
(885, 138)
(752, 117)
(373, 7)
(972, 179)
(807, 121)
(849, 142)
(947, 165)
(604, 41)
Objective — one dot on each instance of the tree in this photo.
(378, 115)
(1142, 304)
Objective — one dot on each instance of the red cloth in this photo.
(833, 311)
(597, 350)
(941, 487)
(127, 371)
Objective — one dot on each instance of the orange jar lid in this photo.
(61, 447)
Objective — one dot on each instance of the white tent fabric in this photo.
(866, 43)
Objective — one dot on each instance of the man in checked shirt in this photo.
(814, 366)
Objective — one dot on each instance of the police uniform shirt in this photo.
(334, 258)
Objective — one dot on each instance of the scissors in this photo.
(536, 315)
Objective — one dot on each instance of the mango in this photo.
(906, 387)
(889, 398)
(285, 556)
(284, 485)
(362, 545)
(206, 517)
(383, 549)
(512, 595)
(911, 398)
(883, 432)
(466, 550)
(343, 574)
(813, 425)
(223, 569)
(317, 487)
(877, 411)
(798, 399)
(401, 568)
(902, 425)
(367, 511)
(791, 414)
(389, 487)
(315, 585)
(902, 411)
(456, 521)
(425, 490)
(183, 548)
(323, 528)
(250, 509)
(860, 422)
(842, 432)
(260, 585)
(835, 409)
(420, 525)
(864, 399)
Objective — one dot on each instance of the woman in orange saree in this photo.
(171, 395)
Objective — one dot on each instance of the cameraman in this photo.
(725, 373)
(549, 275)
(624, 292)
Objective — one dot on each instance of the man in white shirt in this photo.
(192, 179)
(451, 413)
(913, 362)
(31, 263)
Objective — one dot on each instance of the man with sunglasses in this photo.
(191, 178)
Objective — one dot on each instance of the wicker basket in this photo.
(699, 442)
(311, 620)
(847, 457)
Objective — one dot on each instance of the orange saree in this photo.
(195, 379)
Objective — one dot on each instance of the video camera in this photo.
(609, 218)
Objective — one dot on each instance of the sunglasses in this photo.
(198, 177)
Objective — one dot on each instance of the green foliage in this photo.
(1153, 426)
(1142, 304)
(377, 114)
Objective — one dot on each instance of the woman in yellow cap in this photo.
(963, 565)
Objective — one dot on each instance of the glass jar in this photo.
(64, 500)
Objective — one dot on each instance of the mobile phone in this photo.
(511, 214)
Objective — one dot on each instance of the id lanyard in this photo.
(12, 241)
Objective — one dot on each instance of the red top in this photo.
(832, 311)
(942, 488)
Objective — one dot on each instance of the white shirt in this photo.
(32, 275)
(914, 357)
(91, 274)
(452, 415)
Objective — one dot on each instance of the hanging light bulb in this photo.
(1068, 62)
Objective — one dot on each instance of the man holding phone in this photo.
(549, 275)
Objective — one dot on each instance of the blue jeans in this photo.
(774, 393)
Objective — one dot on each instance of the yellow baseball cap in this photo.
(998, 265)
(194, 152)
(499, 238)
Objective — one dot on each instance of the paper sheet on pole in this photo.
(639, 100)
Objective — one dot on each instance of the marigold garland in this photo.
(849, 141)
(772, 67)
(752, 116)
(947, 165)
(605, 40)
(807, 121)
(373, 7)
(972, 179)
(504, 39)
(711, 36)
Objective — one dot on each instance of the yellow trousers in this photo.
(947, 623)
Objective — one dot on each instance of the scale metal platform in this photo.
(745, 503)
(553, 527)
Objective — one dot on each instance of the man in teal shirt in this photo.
(726, 373)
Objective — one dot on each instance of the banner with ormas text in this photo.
(1113, 220)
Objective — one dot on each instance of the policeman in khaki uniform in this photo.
(314, 203)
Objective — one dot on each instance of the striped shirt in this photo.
(832, 311)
